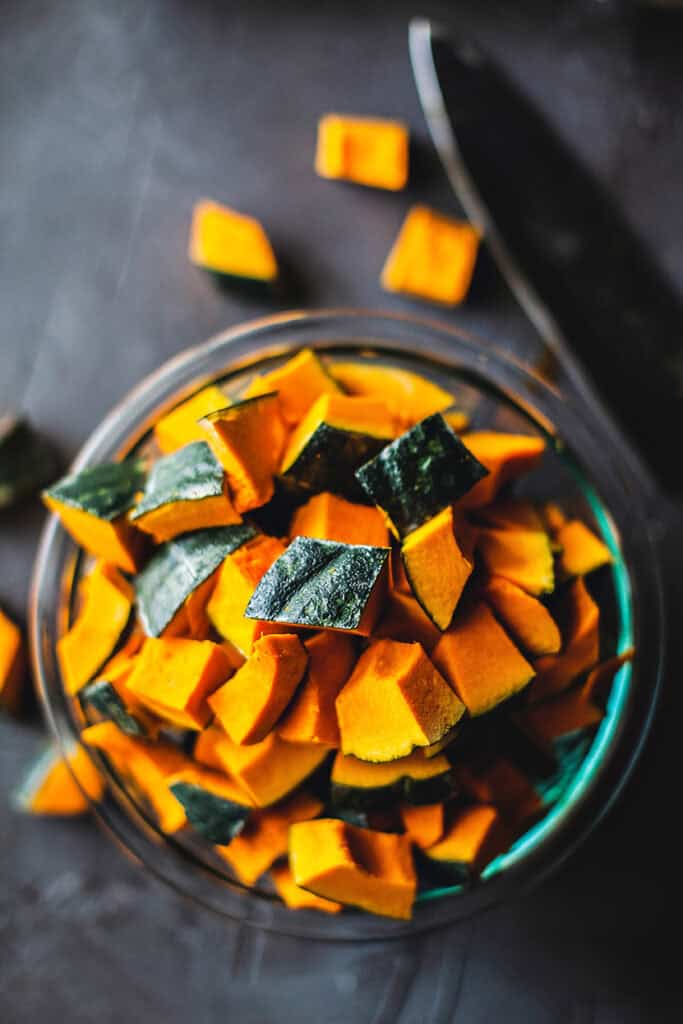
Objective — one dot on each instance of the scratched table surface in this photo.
(114, 119)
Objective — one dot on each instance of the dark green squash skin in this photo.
(102, 696)
(105, 491)
(443, 872)
(329, 460)
(420, 474)
(189, 474)
(217, 414)
(406, 790)
(178, 567)
(27, 460)
(216, 819)
(318, 583)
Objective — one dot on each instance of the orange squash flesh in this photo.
(251, 702)
(424, 825)
(265, 836)
(404, 617)
(366, 150)
(108, 599)
(474, 838)
(181, 426)
(115, 541)
(502, 784)
(12, 663)
(506, 456)
(523, 557)
(581, 644)
(268, 770)
(360, 867)
(529, 621)
(480, 661)
(296, 898)
(247, 438)
(599, 681)
(237, 580)
(312, 715)
(361, 415)
(206, 745)
(561, 715)
(436, 567)
(409, 397)
(330, 517)
(394, 701)
(178, 517)
(228, 242)
(581, 551)
(174, 677)
(298, 383)
(215, 782)
(61, 787)
(191, 620)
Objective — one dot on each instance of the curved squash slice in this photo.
(184, 491)
(59, 786)
(394, 701)
(480, 661)
(436, 567)
(181, 426)
(92, 507)
(251, 702)
(237, 580)
(323, 585)
(296, 898)
(329, 517)
(527, 619)
(230, 243)
(247, 438)
(367, 869)
(475, 837)
(312, 715)
(580, 619)
(506, 457)
(206, 745)
(424, 825)
(266, 835)
(357, 785)
(108, 599)
(12, 663)
(409, 396)
(215, 806)
(581, 551)
(338, 434)
(420, 474)
(500, 782)
(404, 617)
(299, 383)
(367, 150)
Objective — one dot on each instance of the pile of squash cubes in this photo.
(321, 634)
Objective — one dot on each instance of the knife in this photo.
(612, 326)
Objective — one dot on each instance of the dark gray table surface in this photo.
(114, 118)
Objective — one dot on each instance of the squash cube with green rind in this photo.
(216, 818)
(102, 696)
(105, 491)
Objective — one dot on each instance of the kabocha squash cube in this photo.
(329, 517)
(92, 638)
(215, 806)
(424, 825)
(181, 426)
(296, 898)
(521, 556)
(598, 684)
(27, 460)
(408, 396)
(92, 507)
(560, 716)
(394, 701)
(581, 551)
(184, 491)
(112, 701)
(312, 716)
(475, 837)
(580, 619)
(480, 661)
(298, 383)
(505, 456)
(266, 835)
(251, 702)
(179, 568)
(404, 617)
(230, 243)
(237, 580)
(420, 474)
(339, 434)
(206, 745)
(500, 782)
(60, 786)
(323, 585)
(269, 770)
(361, 786)
(173, 678)
(12, 663)
(356, 866)
(436, 567)
(247, 439)
(433, 257)
(529, 621)
(366, 150)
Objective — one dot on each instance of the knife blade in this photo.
(605, 313)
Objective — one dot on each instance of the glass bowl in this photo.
(499, 392)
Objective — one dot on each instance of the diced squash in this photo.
(394, 701)
(521, 556)
(506, 456)
(599, 681)
(561, 715)
(312, 715)
(479, 660)
(228, 242)
(366, 150)
(174, 677)
(251, 702)
(247, 439)
(299, 383)
(92, 507)
(405, 618)
(432, 258)
(181, 426)
(268, 770)
(205, 747)
(529, 621)
(184, 491)
(474, 838)
(296, 898)
(130, 647)
(111, 701)
(581, 551)
(580, 617)
(237, 580)
(108, 599)
(361, 786)
(511, 514)
(60, 786)
(324, 585)
(356, 866)
(12, 663)
(502, 783)
(329, 517)
(216, 807)
(409, 397)
(266, 835)
(436, 567)
(424, 825)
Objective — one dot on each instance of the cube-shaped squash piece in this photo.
(216, 806)
(436, 567)
(580, 620)
(409, 396)
(474, 838)
(404, 617)
(60, 786)
(296, 898)
(367, 150)
(505, 456)
(525, 617)
(299, 383)
(330, 517)
(231, 243)
(581, 551)
(181, 426)
(312, 716)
